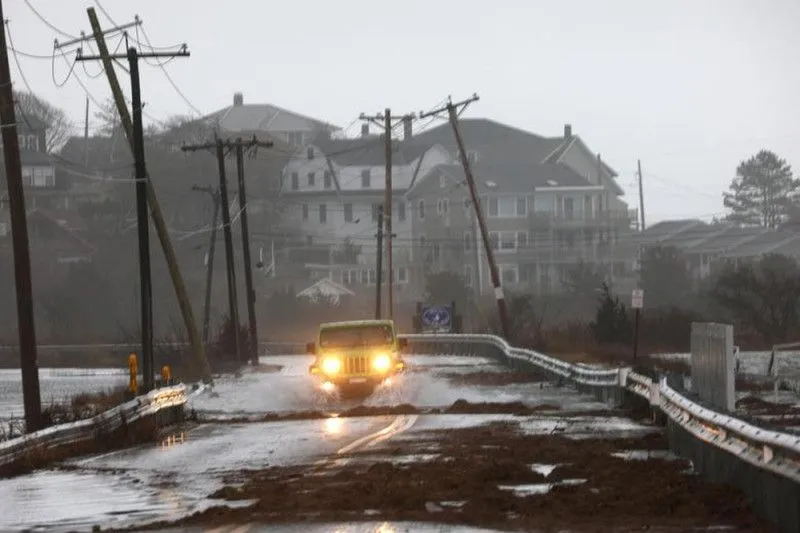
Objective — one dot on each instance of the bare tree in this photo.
(59, 128)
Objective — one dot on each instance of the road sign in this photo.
(637, 299)
(438, 317)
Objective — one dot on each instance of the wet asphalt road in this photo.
(172, 478)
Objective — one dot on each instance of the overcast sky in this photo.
(689, 87)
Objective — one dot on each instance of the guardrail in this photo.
(773, 483)
(86, 431)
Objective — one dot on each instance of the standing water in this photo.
(56, 385)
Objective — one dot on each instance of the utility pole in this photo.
(248, 270)
(220, 146)
(19, 236)
(641, 195)
(143, 225)
(155, 209)
(453, 110)
(210, 265)
(86, 136)
(379, 264)
(385, 121)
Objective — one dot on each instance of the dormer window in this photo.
(365, 179)
(310, 152)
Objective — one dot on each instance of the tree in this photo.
(762, 295)
(665, 278)
(347, 253)
(763, 191)
(445, 287)
(611, 323)
(584, 279)
(59, 128)
(109, 119)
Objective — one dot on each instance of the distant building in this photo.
(549, 203)
(246, 120)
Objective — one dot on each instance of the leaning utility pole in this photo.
(19, 236)
(210, 265)
(453, 111)
(385, 121)
(219, 146)
(379, 264)
(155, 209)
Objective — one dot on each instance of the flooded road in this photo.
(173, 478)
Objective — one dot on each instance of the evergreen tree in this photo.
(763, 191)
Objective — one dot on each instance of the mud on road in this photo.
(493, 476)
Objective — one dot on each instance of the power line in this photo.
(47, 23)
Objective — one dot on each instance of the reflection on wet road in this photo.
(174, 477)
(366, 527)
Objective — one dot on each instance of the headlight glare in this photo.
(331, 365)
(381, 362)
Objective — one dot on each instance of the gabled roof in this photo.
(265, 118)
(370, 151)
(493, 141)
(511, 177)
(327, 287)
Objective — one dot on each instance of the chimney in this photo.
(407, 131)
(365, 130)
(567, 131)
(238, 99)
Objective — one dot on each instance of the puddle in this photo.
(645, 455)
(543, 469)
(538, 488)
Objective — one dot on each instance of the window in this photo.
(401, 211)
(326, 178)
(402, 275)
(365, 179)
(468, 275)
(442, 181)
(569, 208)
(27, 176)
(311, 179)
(375, 210)
(372, 276)
(310, 152)
(305, 211)
(323, 214)
(348, 212)
(437, 251)
(33, 142)
(522, 206)
(422, 241)
(508, 241)
(467, 241)
(309, 240)
(295, 181)
(522, 239)
(421, 209)
(442, 206)
(493, 206)
(43, 177)
(509, 274)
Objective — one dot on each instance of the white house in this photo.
(332, 190)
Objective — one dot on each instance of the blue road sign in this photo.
(438, 317)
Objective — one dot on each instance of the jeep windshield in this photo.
(356, 336)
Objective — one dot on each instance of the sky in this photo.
(689, 87)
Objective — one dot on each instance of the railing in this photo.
(88, 430)
(768, 450)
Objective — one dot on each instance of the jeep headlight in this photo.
(331, 365)
(382, 362)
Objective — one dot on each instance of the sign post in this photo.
(637, 302)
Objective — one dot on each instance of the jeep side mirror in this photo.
(403, 343)
(311, 348)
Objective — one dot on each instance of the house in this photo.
(548, 203)
(246, 120)
(706, 246)
(333, 190)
